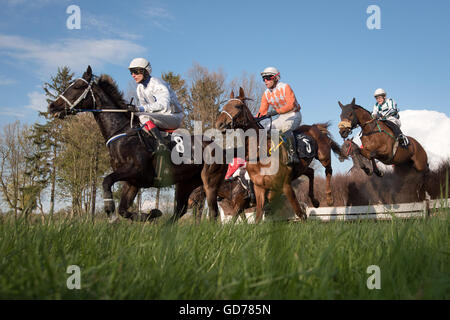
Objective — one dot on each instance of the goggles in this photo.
(137, 70)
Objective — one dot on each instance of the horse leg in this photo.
(375, 168)
(310, 174)
(128, 195)
(260, 198)
(212, 177)
(107, 184)
(290, 194)
(329, 173)
(324, 156)
(182, 193)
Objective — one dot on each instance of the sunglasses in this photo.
(137, 71)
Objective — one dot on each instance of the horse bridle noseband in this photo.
(80, 98)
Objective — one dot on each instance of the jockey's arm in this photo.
(264, 107)
(291, 101)
(160, 96)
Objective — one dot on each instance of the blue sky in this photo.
(322, 48)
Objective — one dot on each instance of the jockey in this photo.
(159, 106)
(386, 110)
(281, 98)
(237, 169)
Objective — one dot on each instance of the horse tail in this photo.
(323, 127)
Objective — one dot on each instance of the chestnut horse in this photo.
(378, 140)
(236, 114)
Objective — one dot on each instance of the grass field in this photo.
(310, 260)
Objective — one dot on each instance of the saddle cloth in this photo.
(306, 146)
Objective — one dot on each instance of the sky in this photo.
(323, 49)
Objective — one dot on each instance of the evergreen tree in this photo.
(46, 137)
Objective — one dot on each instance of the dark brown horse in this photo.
(378, 140)
(235, 114)
(235, 198)
(132, 161)
(352, 150)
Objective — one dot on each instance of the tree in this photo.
(206, 95)
(181, 90)
(82, 160)
(253, 89)
(46, 137)
(19, 185)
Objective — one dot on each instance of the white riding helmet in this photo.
(379, 92)
(271, 71)
(141, 63)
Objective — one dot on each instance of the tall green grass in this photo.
(310, 260)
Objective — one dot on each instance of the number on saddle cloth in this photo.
(306, 146)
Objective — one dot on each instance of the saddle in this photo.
(306, 146)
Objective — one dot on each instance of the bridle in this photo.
(229, 115)
(80, 98)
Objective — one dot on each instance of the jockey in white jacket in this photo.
(386, 110)
(158, 104)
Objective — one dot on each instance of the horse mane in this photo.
(355, 106)
(110, 87)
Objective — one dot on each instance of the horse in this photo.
(233, 194)
(236, 114)
(351, 149)
(132, 161)
(379, 142)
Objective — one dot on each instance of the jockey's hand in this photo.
(133, 108)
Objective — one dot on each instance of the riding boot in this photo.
(162, 152)
(251, 191)
(290, 147)
(399, 136)
(249, 186)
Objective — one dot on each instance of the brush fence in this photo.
(379, 212)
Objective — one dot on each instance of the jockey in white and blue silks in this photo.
(158, 104)
(386, 109)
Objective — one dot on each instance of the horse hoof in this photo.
(114, 219)
(155, 213)
(316, 203)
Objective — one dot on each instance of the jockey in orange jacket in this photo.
(281, 98)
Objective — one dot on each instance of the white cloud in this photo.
(431, 129)
(76, 53)
(37, 102)
(159, 17)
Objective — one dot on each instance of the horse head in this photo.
(349, 119)
(235, 113)
(79, 95)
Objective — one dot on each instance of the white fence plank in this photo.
(379, 211)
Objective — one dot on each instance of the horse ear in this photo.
(353, 101)
(232, 94)
(340, 105)
(88, 74)
(241, 93)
